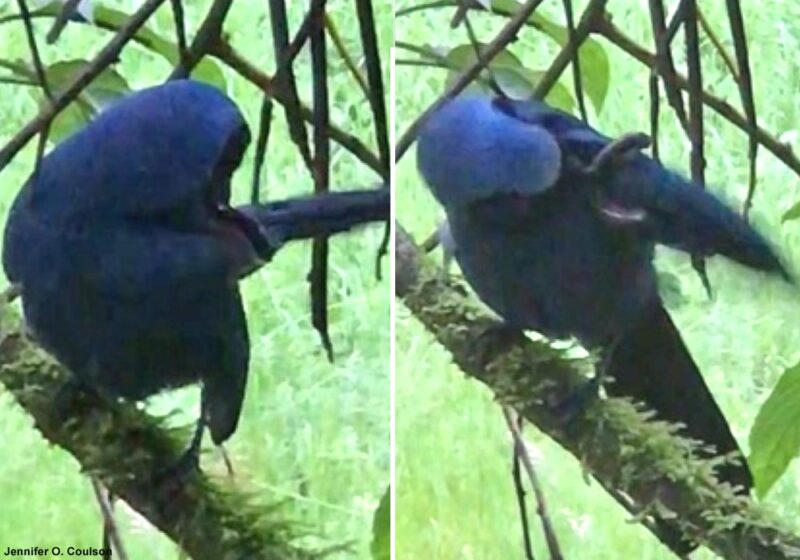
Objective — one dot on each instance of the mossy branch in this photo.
(122, 447)
(650, 470)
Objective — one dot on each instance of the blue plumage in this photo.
(553, 244)
(129, 255)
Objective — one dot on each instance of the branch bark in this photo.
(645, 466)
(122, 447)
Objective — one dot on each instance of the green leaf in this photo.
(559, 96)
(792, 213)
(381, 528)
(463, 56)
(108, 87)
(595, 66)
(206, 71)
(110, 19)
(516, 81)
(775, 437)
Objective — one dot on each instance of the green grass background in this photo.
(312, 434)
(454, 491)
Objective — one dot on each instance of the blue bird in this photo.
(128, 254)
(555, 243)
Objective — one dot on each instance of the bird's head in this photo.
(473, 149)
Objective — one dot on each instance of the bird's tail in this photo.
(314, 216)
(651, 364)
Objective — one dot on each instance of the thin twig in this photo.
(11, 80)
(593, 11)
(349, 63)
(745, 83)
(655, 103)
(541, 503)
(675, 23)
(180, 32)
(783, 152)
(300, 38)
(462, 7)
(62, 19)
(227, 54)
(695, 123)
(286, 79)
(377, 100)
(476, 47)
(107, 56)
(665, 64)
(576, 59)
(720, 48)
(318, 277)
(264, 128)
(110, 529)
(519, 490)
(207, 37)
(41, 76)
(506, 35)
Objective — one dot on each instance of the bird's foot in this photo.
(70, 396)
(581, 398)
(187, 465)
(497, 339)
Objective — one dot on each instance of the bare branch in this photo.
(377, 98)
(208, 35)
(745, 82)
(226, 53)
(318, 277)
(103, 60)
(62, 19)
(110, 529)
(576, 59)
(264, 128)
(506, 35)
(541, 503)
(180, 32)
(782, 151)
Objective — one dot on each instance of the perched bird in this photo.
(555, 230)
(128, 254)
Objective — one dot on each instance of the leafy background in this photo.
(454, 489)
(313, 436)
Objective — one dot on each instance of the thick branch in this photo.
(624, 449)
(122, 447)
